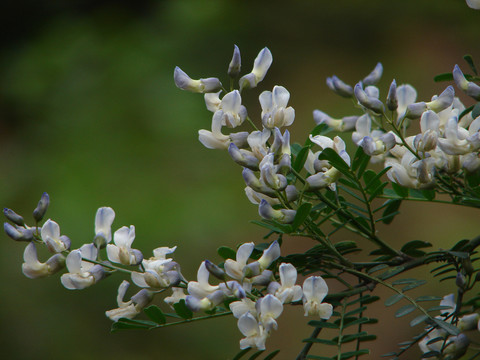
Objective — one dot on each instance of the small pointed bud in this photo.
(270, 254)
(392, 101)
(18, 234)
(13, 217)
(215, 270)
(235, 64)
(374, 76)
(41, 208)
(243, 158)
(339, 87)
(370, 103)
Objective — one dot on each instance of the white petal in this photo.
(74, 261)
(113, 253)
(50, 229)
(288, 274)
(315, 288)
(280, 96)
(231, 102)
(244, 252)
(248, 325)
(271, 306)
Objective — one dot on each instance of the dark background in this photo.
(89, 113)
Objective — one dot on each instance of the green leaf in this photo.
(465, 112)
(354, 321)
(182, 310)
(320, 341)
(321, 129)
(377, 268)
(390, 211)
(414, 285)
(391, 272)
(300, 159)
(255, 355)
(443, 77)
(411, 247)
(124, 323)
(226, 253)
(360, 161)
(350, 354)
(476, 111)
(428, 298)
(241, 353)
(404, 310)
(400, 190)
(276, 227)
(155, 314)
(449, 328)
(323, 324)
(302, 214)
(271, 355)
(418, 320)
(468, 58)
(336, 161)
(318, 357)
(393, 299)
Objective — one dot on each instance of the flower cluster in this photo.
(243, 293)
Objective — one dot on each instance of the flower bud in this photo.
(260, 67)
(392, 101)
(17, 233)
(142, 298)
(242, 157)
(56, 263)
(235, 63)
(184, 82)
(13, 217)
(215, 270)
(374, 76)
(41, 208)
(415, 110)
(369, 102)
(270, 254)
(339, 87)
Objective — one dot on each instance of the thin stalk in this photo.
(194, 319)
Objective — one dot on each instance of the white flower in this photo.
(34, 269)
(55, 242)
(406, 95)
(201, 288)
(122, 251)
(103, 225)
(260, 67)
(328, 175)
(82, 273)
(160, 272)
(215, 139)
(233, 268)
(275, 112)
(269, 308)
(255, 334)
(243, 306)
(286, 290)
(131, 308)
(314, 291)
(177, 295)
(374, 142)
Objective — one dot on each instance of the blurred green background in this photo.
(89, 113)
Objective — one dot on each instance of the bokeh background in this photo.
(89, 113)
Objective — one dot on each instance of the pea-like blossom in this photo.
(103, 225)
(275, 112)
(121, 252)
(131, 308)
(260, 67)
(81, 272)
(55, 242)
(269, 308)
(344, 124)
(160, 272)
(314, 291)
(286, 290)
(255, 333)
(34, 269)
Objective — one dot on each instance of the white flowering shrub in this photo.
(299, 189)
